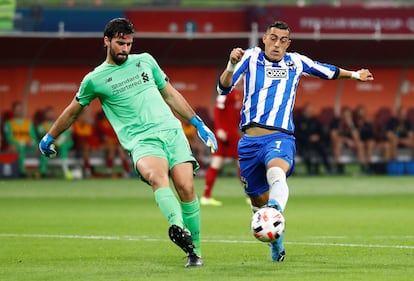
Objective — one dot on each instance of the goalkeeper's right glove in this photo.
(47, 147)
(205, 134)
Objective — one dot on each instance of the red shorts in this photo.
(228, 148)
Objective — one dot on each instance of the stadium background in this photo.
(52, 44)
(345, 228)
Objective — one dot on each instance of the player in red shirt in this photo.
(226, 129)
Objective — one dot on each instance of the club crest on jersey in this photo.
(274, 72)
(291, 65)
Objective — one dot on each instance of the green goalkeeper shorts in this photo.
(171, 145)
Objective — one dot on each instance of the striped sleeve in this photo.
(321, 70)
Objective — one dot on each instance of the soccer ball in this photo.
(267, 224)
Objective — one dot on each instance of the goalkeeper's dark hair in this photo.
(118, 27)
(279, 25)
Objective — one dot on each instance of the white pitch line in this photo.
(146, 238)
(360, 236)
(353, 245)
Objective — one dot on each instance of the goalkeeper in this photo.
(137, 98)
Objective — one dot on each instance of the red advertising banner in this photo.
(57, 85)
(338, 20)
(200, 20)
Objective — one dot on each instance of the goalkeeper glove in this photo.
(47, 147)
(205, 134)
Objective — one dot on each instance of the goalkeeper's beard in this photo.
(119, 58)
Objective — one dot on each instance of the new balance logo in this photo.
(276, 72)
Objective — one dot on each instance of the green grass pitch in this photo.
(338, 228)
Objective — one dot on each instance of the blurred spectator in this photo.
(410, 115)
(20, 135)
(85, 140)
(344, 134)
(111, 146)
(311, 142)
(1, 135)
(366, 135)
(400, 132)
(5, 116)
(381, 118)
(226, 129)
(64, 144)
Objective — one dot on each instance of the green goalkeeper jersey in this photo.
(130, 97)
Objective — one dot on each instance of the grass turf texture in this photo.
(338, 228)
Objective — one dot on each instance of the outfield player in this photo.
(137, 99)
(267, 148)
(226, 129)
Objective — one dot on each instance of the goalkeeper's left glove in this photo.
(205, 134)
(47, 147)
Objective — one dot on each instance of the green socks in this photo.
(168, 204)
(187, 216)
(191, 216)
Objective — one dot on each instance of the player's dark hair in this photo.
(118, 27)
(279, 25)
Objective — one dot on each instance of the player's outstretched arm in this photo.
(360, 75)
(180, 105)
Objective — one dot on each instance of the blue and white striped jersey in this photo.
(270, 87)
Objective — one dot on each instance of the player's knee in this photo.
(156, 179)
(275, 174)
(217, 162)
(186, 192)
